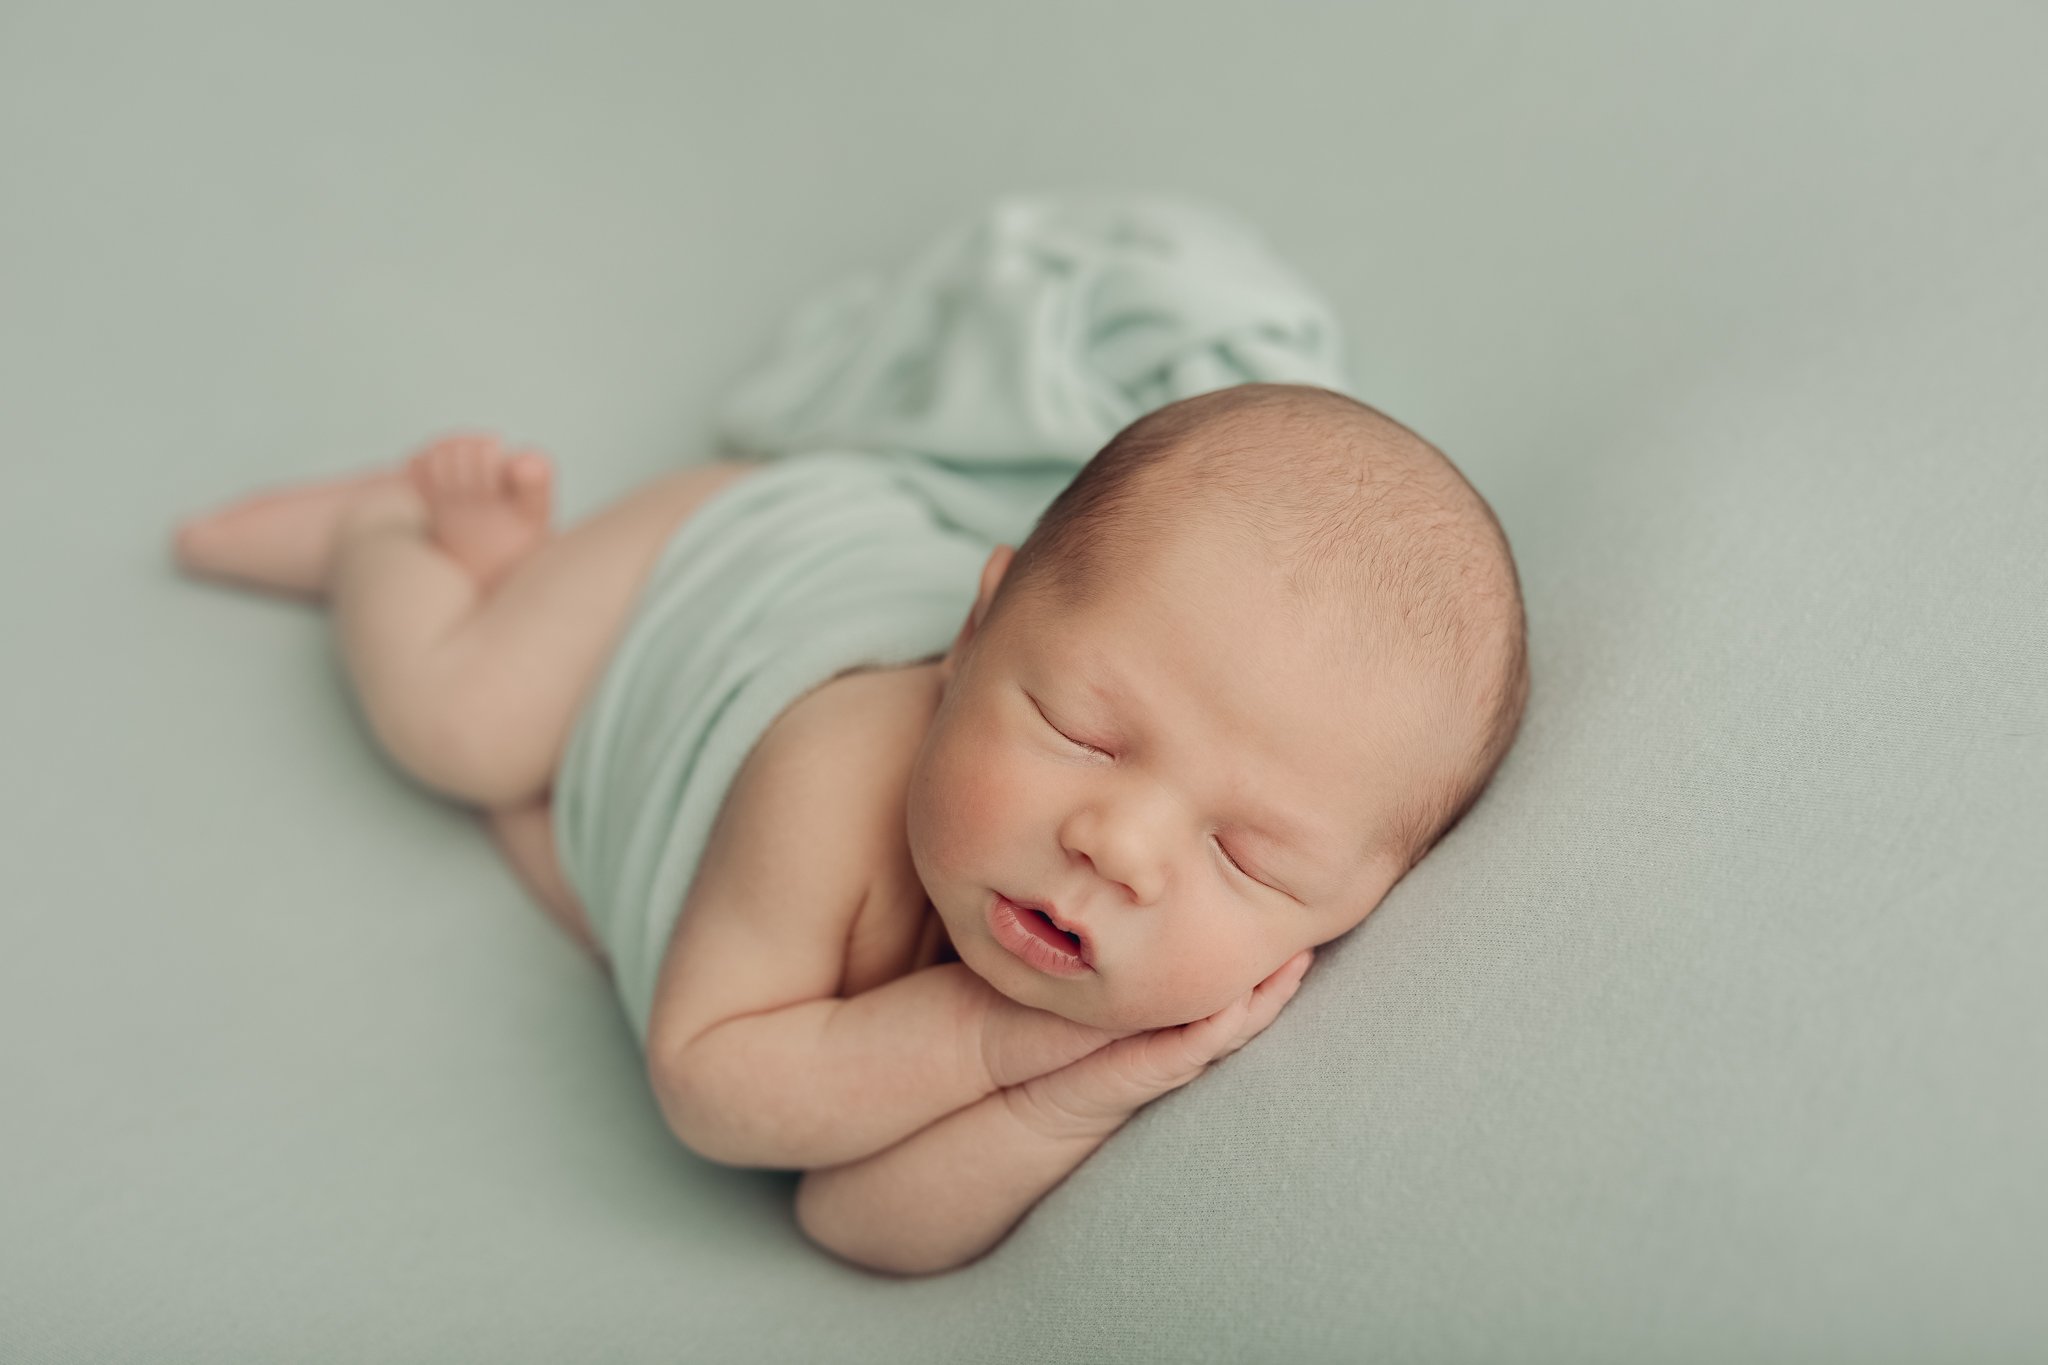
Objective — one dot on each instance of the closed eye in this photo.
(1241, 868)
(1219, 845)
(1062, 733)
(1234, 862)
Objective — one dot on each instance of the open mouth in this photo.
(1031, 935)
(1037, 923)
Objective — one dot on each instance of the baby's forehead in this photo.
(1274, 702)
(1255, 713)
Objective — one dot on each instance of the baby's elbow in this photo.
(694, 1118)
(869, 1241)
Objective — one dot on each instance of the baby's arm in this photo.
(753, 1057)
(824, 1082)
(942, 1197)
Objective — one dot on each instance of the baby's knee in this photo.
(462, 743)
(496, 761)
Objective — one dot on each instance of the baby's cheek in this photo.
(962, 805)
(1191, 976)
(981, 804)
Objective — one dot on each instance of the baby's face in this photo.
(1176, 771)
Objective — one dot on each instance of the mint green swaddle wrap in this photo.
(908, 426)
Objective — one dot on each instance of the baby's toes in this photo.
(490, 469)
(429, 464)
(450, 467)
(442, 465)
(530, 478)
(477, 471)
(419, 467)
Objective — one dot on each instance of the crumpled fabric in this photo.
(1035, 332)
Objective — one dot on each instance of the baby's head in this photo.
(1258, 657)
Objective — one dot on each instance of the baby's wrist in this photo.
(1020, 1044)
(1038, 1111)
(1085, 1100)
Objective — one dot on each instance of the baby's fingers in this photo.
(1149, 1064)
(1276, 990)
(1231, 1028)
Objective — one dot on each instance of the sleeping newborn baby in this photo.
(957, 917)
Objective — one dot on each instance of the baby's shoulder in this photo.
(809, 842)
(856, 735)
(864, 696)
(882, 723)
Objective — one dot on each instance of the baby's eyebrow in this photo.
(1288, 834)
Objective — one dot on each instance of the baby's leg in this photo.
(525, 835)
(474, 692)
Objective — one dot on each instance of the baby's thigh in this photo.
(538, 644)
(526, 836)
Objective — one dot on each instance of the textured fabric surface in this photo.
(1712, 1034)
(914, 425)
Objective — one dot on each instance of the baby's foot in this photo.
(486, 509)
(279, 540)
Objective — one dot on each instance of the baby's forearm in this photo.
(824, 1082)
(946, 1194)
(827, 1081)
(942, 1196)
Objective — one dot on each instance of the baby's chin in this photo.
(1093, 999)
(1017, 981)
(1099, 1007)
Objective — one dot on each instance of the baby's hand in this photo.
(1019, 1043)
(1095, 1095)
